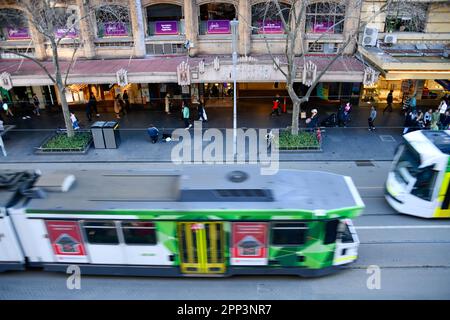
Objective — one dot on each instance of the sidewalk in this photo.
(339, 144)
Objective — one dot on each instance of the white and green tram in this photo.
(213, 220)
(418, 182)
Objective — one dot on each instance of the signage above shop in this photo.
(183, 74)
(323, 27)
(218, 27)
(166, 27)
(122, 77)
(370, 76)
(5, 81)
(18, 33)
(309, 73)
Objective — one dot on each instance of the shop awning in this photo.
(408, 63)
(163, 69)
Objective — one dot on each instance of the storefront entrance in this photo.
(201, 247)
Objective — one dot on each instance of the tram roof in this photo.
(202, 187)
(430, 141)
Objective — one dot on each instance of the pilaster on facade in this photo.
(351, 24)
(137, 25)
(191, 24)
(299, 9)
(86, 30)
(245, 20)
(38, 40)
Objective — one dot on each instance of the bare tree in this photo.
(293, 19)
(59, 24)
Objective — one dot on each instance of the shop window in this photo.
(139, 233)
(289, 234)
(101, 232)
(164, 19)
(113, 21)
(406, 17)
(324, 17)
(266, 18)
(215, 18)
(13, 25)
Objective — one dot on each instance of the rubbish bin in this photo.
(97, 134)
(111, 134)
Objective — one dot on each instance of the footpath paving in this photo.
(339, 144)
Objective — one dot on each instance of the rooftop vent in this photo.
(237, 176)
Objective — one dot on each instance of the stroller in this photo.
(330, 121)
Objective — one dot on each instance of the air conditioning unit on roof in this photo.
(370, 37)
(390, 39)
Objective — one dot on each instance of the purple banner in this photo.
(270, 27)
(115, 29)
(18, 33)
(166, 27)
(219, 26)
(323, 27)
(66, 33)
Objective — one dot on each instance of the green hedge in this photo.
(303, 140)
(61, 141)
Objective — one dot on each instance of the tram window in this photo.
(344, 234)
(289, 233)
(139, 233)
(101, 232)
(424, 186)
(330, 231)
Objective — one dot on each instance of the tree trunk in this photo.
(61, 90)
(295, 117)
(65, 109)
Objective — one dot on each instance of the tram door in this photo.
(201, 246)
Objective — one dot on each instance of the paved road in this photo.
(413, 255)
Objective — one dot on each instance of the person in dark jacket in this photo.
(153, 133)
(389, 100)
(126, 100)
(311, 123)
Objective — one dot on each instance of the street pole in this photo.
(234, 33)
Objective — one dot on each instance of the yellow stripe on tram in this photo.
(439, 212)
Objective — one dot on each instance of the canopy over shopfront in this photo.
(413, 61)
(164, 70)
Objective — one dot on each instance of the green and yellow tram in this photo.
(203, 221)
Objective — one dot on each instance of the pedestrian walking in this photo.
(413, 103)
(346, 113)
(167, 103)
(435, 120)
(74, 120)
(117, 106)
(442, 108)
(408, 121)
(93, 104)
(427, 118)
(389, 100)
(153, 133)
(36, 105)
(201, 111)
(126, 101)
(446, 122)
(311, 123)
(372, 116)
(276, 106)
(6, 108)
(187, 125)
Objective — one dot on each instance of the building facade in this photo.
(151, 39)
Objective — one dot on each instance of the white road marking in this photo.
(400, 227)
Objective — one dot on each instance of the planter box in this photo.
(81, 150)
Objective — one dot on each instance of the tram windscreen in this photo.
(407, 170)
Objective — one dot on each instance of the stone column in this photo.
(191, 24)
(137, 25)
(352, 16)
(245, 20)
(38, 42)
(86, 30)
